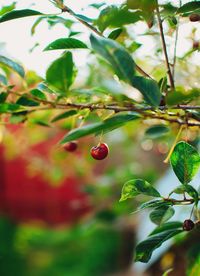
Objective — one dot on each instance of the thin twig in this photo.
(169, 72)
(142, 72)
(176, 42)
(175, 50)
(186, 201)
(72, 13)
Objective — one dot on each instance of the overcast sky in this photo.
(18, 42)
(16, 34)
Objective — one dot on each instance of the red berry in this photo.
(100, 151)
(71, 146)
(188, 225)
(194, 17)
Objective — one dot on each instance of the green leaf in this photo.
(144, 250)
(12, 65)
(161, 214)
(16, 119)
(44, 88)
(73, 33)
(6, 9)
(167, 272)
(3, 97)
(163, 84)
(149, 89)
(194, 114)
(172, 21)
(134, 4)
(61, 73)
(134, 46)
(39, 122)
(167, 226)
(36, 23)
(157, 131)
(107, 125)
(185, 161)
(26, 101)
(121, 61)
(136, 187)
(38, 94)
(3, 79)
(9, 108)
(18, 14)
(181, 96)
(66, 43)
(168, 9)
(84, 18)
(97, 5)
(192, 192)
(153, 204)
(144, 5)
(52, 20)
(193, 268)
(189, 7)
(113, 16)
(178, 190)
(115, 33)
(64, 115)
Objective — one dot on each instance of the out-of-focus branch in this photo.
(169, 71)
(175, 45)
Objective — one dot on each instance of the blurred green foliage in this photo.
(93, 249)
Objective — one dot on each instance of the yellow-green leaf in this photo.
(136, 187)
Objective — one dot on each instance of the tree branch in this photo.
(185, 201)
(145, 112)
(72, 13)
(169, 72)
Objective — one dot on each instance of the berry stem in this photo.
(101, 138)
(173, 146)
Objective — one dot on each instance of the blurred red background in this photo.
(24, 197)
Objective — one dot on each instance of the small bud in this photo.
(194, 17)
(195, 45)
